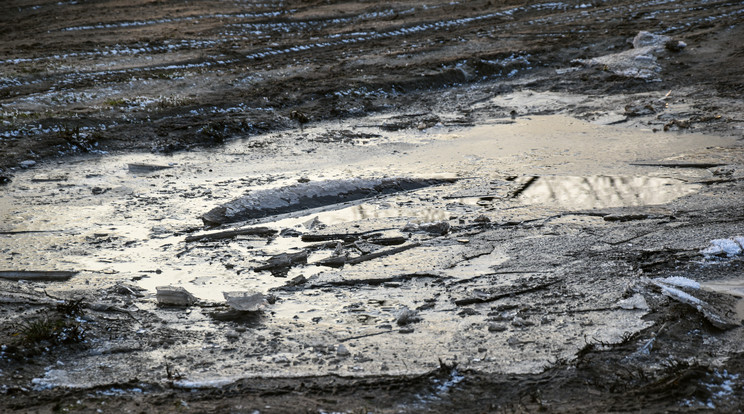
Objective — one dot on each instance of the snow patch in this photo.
(679, 281)
(728, 247)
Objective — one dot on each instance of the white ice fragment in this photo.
(636, 301)
(728, 247)
(679, 281)
(681, 296)
(215, 383)
(245, 301)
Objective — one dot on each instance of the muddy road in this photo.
(166, 76)
(235, 206)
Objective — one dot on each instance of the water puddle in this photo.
(604, 191)
(99, 216)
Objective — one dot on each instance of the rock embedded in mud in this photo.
(142, 168)
(342, 351)
(174, 296)
(496, 327)
(407, 316)
(303, 196)
(439, 228)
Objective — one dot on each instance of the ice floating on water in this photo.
(245, 301)
(304, 196)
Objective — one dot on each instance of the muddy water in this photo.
(128, 229)
(114, 224)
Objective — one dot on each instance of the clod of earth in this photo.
(280, 264)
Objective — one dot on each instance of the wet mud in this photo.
(358, 207)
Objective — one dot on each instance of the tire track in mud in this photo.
(87, 66)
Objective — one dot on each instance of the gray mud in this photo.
(357, 207)
(538, 250)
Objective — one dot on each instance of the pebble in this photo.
(27, 163)
(496, 327)
(521, 323)
(342, 351)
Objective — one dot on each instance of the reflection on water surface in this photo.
(604, 191)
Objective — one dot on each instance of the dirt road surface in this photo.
(300, 206)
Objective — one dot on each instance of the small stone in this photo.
(342, 351)
(468, 312)
(521, 323)
(440, 228)
(281, 359)
(407, 316)
(290, 233)
(496, 327)
(482, 219)
(405, 330)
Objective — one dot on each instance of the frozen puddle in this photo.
(430, 249)
(100, 216)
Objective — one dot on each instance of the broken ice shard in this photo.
(263, 203)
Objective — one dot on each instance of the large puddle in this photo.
(110, 217)
(126, 219)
